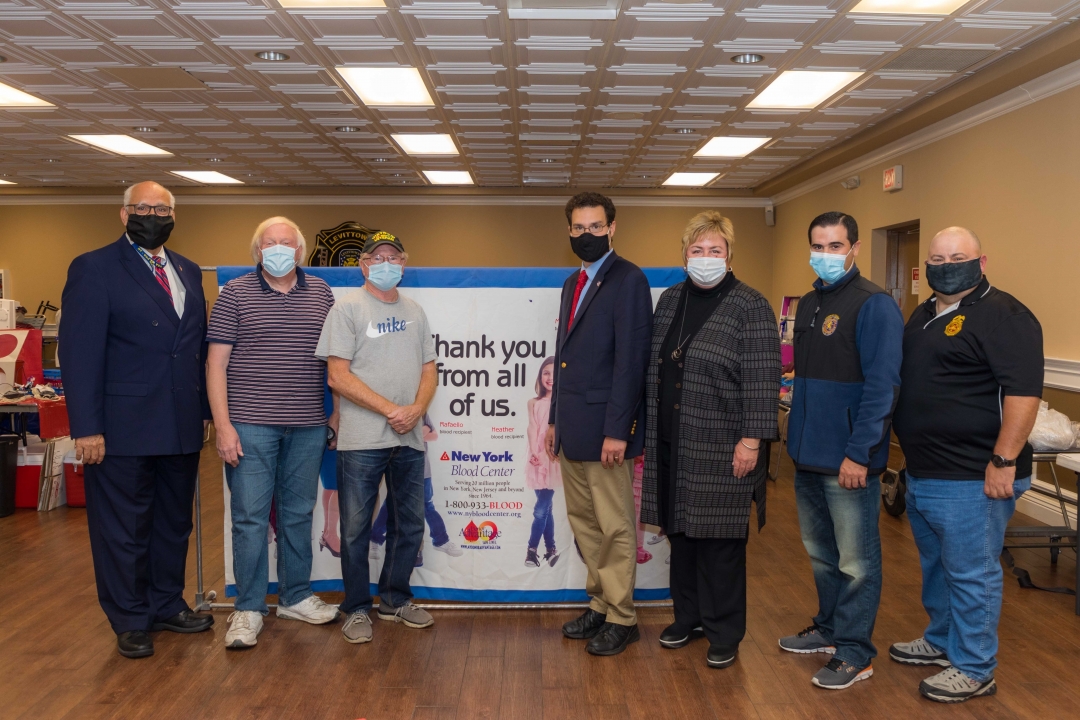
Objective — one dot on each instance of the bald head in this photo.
(146, 193)
(954, 244)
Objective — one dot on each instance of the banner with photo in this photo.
(490, 487)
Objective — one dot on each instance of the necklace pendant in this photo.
(676, 354)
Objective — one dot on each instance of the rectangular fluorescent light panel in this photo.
(386, 87)
(207, 177)
(10, 97)
(802, 89)
(6, 182)
(733, 147)
(120, 144)
(449, 177)
(910, 7)
(426, 143)
(690, 179)
(318, 4)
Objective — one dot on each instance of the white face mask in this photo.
(706, 272)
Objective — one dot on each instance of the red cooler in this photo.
(73, 479)
(28, 475)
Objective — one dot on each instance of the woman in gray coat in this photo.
(711, 394)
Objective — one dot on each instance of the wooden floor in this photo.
(58, 657)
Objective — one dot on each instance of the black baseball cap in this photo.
(378, 238)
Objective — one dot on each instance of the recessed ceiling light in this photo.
(546, 160)
(426, 143)
(379, 160)
(10, 97)
(684, 131)
(909, 7)
(144, 129)
(51, 160)
(272, 55)
(735, 147)
(207, 177)
(120, 144)
(802, 89)
(213, 160)
(346, 128)
(747, 58)
(449, 177)
(332, 3)
(690, 179)
(385, 87)
(7, 182)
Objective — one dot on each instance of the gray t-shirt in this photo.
(388, 344)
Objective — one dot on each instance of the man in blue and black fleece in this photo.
(848, 339)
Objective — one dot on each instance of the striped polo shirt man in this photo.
(274, 377)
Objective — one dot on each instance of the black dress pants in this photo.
(708, 588)
(138, 510)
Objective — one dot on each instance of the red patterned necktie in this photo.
(159, 270)
(582, 279)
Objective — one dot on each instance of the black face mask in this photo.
(149, 231)
(589, 247)
(953, 278)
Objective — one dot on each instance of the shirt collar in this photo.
(301, 280)
(139, 249)
(590, 272)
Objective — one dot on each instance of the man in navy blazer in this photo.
(598, 418)
(131, 345)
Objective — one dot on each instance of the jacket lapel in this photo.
(592, 289)
(144, 276)
(188, 279)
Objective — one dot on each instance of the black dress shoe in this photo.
(613, 639)
(584, 627)
(721, 659)
(135, 644)
(185, 621)
(676, 636)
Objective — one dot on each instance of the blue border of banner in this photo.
(476, 277)
(478, 596)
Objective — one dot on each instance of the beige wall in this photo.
(37, 242)
(1014, 180)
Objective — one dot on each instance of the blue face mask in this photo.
(828, 266)
(279, 260)
(384, 276)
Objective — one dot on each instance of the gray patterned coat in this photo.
(730, 388)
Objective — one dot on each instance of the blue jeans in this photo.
(435, 522)
(840, 532)
(359, 473)
(543, 521)
(959, 532)
(280, 465)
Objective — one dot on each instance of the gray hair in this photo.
(131, 189)
(256, 255)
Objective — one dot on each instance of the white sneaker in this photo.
(311, 610)
(244, 629)
(375, 553)
(450, 548)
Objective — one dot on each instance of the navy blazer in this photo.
(133, 370)
(599, 384)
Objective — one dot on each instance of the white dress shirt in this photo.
(179, 292)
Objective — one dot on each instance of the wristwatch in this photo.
(1000, 462)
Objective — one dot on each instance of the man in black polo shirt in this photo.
(971, 381)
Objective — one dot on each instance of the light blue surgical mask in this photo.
(384, 276)
(279, 260)
(829, 266)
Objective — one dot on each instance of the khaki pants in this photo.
(600, 505)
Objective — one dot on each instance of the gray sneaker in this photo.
(954, 686)
(409, 614)
(918, 652)
(840, 674)
(357, 629)
(810, 640)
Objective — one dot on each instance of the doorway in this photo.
(903, 267)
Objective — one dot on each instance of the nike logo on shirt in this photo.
(391, 325)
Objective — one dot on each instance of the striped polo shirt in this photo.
(273, 374)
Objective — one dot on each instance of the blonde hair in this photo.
(709, 222)
(256, 255)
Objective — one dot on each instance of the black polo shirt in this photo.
(958, 367)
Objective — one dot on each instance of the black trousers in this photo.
(708, 588)
(138, 510)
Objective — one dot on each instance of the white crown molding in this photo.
(721, 201)
(1062, 374)
(1044, 86)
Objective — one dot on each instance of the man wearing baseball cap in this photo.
(381, 363)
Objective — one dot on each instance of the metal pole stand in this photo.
(202, 600)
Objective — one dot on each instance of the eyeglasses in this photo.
(380, 259)
(593, 229)
(144, 209)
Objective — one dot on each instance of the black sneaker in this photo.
(674, 637)
(720, 659)
(840, 674)
(954, 686)
(613, 639)
(551, 556)
(585, 626)
(810, 640)
(531, 559)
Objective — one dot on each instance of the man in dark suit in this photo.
(598, 418)
(131, 345)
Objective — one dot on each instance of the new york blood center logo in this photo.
(485, 532)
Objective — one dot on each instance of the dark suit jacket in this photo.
(133, 370)
(600, 364)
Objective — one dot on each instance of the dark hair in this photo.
(542, 391)
(833, 218)
(591, 199)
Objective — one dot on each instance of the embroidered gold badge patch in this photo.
(954, 326)
(829, 326)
